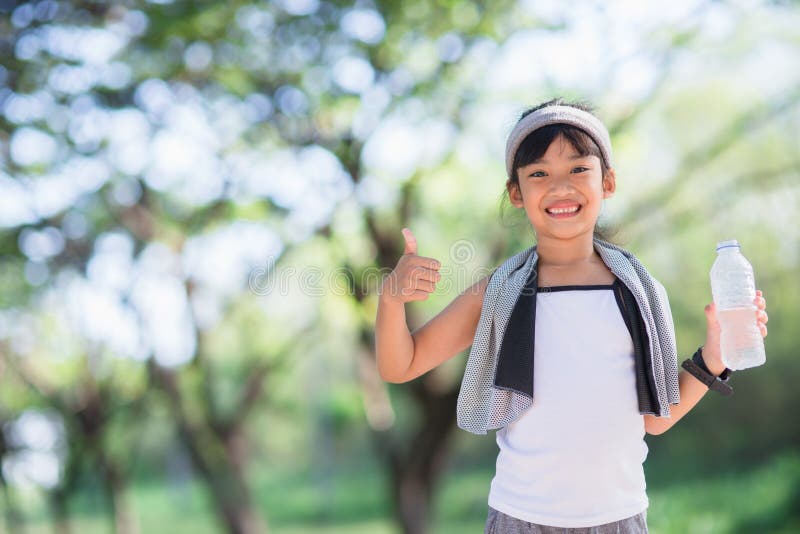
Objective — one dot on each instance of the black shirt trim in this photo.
(550, 289)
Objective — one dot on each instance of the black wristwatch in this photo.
(699, 370)
(697, 358)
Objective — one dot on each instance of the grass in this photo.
(763, 500)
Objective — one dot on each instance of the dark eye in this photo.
(584, 169)
(537, 174)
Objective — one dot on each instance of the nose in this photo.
(561, 183)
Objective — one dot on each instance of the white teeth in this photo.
(563, 210)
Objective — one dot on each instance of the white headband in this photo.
(552, 115)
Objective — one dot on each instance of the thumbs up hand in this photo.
(414, 277)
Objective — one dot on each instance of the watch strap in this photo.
(711, 381)
(697, 358)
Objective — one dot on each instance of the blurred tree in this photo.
(12, 516)
(89, 408)
(153, 153)
(221, 48)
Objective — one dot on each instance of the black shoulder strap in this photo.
(515, 359)
(645, 384)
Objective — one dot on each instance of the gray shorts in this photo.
(499, 523)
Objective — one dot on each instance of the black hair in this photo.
(537, 142)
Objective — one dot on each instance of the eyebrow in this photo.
(576, 156)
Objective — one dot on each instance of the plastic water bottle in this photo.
(734, 292)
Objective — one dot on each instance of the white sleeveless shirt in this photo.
(570, 461)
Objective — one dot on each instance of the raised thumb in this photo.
(411, 242)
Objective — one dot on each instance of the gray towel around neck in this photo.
(483, 406)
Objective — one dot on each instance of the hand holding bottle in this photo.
(712, 353)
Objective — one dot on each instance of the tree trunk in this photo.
(233, 501)
(218, 455)
(124, 519)
(412, 491)
(224, 474)
(416, 469)
(59, 497)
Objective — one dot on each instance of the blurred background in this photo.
(198, 201)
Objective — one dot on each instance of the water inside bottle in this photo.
(741, 342)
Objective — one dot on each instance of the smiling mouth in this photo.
(562, 213)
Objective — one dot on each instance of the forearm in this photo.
(691, 388)
(691, 391)
(394, 346)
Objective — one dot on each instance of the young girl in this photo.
(572, 353)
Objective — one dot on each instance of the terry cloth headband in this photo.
(552, 115)
(491, 396)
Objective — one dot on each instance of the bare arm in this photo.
(403, 356)
(449, 332)
(394, 346)
(691, 389)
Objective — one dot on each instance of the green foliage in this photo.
(702, 156)
(764, 499)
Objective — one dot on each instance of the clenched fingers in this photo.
(761, 314)
(420, 295)
(419, 272)
(423, 261)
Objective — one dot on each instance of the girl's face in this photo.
(562, 179)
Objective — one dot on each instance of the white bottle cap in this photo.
(727, 244)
